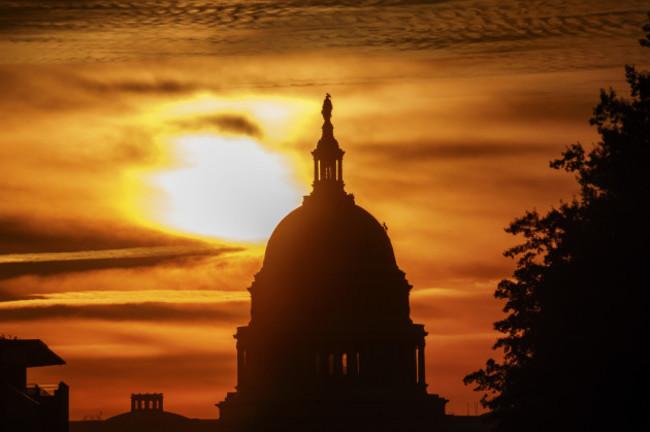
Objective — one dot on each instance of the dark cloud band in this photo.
(228, 123)
(149, 311)
(44, 268)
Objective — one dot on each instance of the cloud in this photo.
(14, 265)
(33, 246)
(476, 178)
(148, 311)
(469, 28)
(23, 234)
(155, 86)
(230, 272)
(136, 305)
(15, 269)
(228, 123)
(436, 150)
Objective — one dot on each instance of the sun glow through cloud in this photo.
(227, 167)
(229, 187)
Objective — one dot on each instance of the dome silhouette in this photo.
(329, 263)
(329, 236)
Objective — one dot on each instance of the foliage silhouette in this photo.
(575, 331)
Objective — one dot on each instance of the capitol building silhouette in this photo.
(330, 344)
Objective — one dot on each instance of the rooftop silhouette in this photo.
(30, 407)
(146, 415)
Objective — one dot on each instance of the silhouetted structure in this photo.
(146, 415)
(146, 402)
(330, 344)
(30, 407)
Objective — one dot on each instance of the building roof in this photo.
(147, 417)
(27, 353)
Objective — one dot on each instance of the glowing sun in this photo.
(228, 187)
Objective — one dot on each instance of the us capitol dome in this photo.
(330, 344)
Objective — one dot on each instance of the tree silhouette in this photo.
(576, 327)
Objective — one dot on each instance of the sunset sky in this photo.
(149, 148)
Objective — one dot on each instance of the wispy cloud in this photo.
(13, 265)
(467, 27)
(120, 297)
(228, 123)
(143, 305)
(427, 151)
(161, 251)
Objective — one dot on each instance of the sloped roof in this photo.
(27, 353)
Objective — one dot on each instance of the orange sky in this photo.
(148, 149)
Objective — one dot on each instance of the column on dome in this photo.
(411, 361)
(421, 370)
(338, 364)
(352, 363)
(240, 365)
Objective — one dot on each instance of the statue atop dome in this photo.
(328, 159)
(327, 108)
